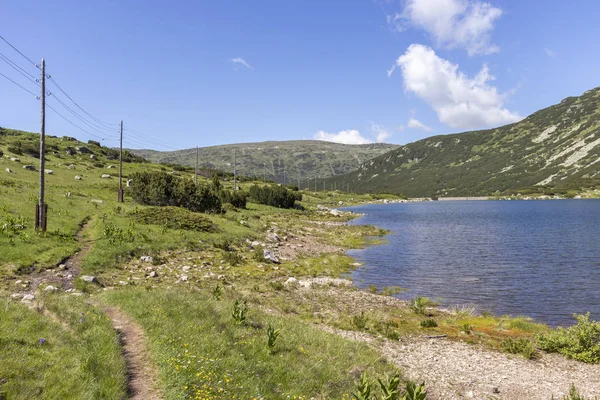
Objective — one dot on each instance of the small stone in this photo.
(146, 259)
(496, 390)
(291, 281)
(273, 237)
(8, 170)
(129, 182)
(18, 282)
(48, 171)
(50, 288)
(89, 279)
(71, 166)
(242, 222)
(269, 255)
(335, 212)
(70, 291)
(62, 267)
(183, 278)
(255, 244)
(16, 296)
(28, 298)
(105, 176)
(111, 167)
(153, 274)
(29, 167)
(77, 177)
(186, 268)
(221, 277)
(15, 159)
(123, 283)
(96, 201)
(93, 156)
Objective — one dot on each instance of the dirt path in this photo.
(142, 376)
(456, 370)
(65, 273)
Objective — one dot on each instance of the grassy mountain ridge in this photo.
(556, 148)
(301, 159)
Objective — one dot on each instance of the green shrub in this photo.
(360, 321)
(573, 394)
(275, 196)
(240, 308)
(580, 342)
(521, 346)
(429, 323)
(418, 305)
(236, 198)
(173, 218)
(161, 189)
(272, 335)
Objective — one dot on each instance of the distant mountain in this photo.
(557, 148)
(301, 159)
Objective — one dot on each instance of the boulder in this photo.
(273, 237)
(93, 157)
(77, 177)
(8, 170)
(48, 171)
(83, 150)
(15, 159)
(129, 182)
(153, 274)
(105, 176)
(50, 288)
(111, 167)
(269, 255)
(335, 212)
(29, 167)
(28, 298)
(146, 259)
(321, 207)
(71, 166)
(89, 279)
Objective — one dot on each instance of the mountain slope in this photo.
(301, 159)
(555, 147)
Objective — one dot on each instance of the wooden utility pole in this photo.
(120, 194)
(196, 168)
(315, 184)
(234, 169)
(41, 208)
(265, 173)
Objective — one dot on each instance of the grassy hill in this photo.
(555, 150)
(301, 159)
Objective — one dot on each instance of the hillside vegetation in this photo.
(555, 150)
(301, 159)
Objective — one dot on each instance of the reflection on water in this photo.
(534, 258)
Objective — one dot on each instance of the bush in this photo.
(236, 198)
(173, 218)
(161, 189)
(275, 196)
(429, 323)
(1, 153)
(95, 143)
(521, 346)
(580, 342)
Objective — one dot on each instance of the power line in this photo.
(20, 70)
(74, 124)
(17, 50)
(82, 119)
(148, 139)
(98, 121)
(25, 89)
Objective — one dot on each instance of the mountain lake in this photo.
(533, 258)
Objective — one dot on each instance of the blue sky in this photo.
(189, 73)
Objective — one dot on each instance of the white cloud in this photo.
(459, 101)
(382, 134)
(451, 23)
(240, 61)
(550, 52)
(350, 136)
(416, 124)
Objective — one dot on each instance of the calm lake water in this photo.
(535, 258)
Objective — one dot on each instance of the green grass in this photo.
(202, 353)
(79, 360)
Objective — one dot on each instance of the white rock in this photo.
(111, 167)
(29, 167)
(16, 296)
(105, 176)
(291, 281)
(186, 268)
(96, 201)
(50, 288)
(183, 278)
(269, 255)
(48, 171)
(153, 274)
(221, 277)
(28, 298)
(88, 278)
(273, 237)
(71, 166)
(8, 170)
(335, 212)
(15, 159)
(146, 259)
(77, 177)
(123, 283)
